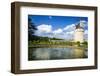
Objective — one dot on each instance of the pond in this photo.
(56, 53)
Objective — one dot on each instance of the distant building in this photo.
(79, 32)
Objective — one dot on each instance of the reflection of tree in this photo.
(31, 29)
(78, 53)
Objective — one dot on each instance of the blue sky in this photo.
(57, 26)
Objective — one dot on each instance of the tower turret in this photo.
(79, 32)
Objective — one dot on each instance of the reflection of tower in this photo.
(78, 53)
(79, 32)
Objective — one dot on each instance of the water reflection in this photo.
(79, 53)
(56, 53)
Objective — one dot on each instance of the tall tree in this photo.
(31, 29)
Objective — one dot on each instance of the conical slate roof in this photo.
(78, 26)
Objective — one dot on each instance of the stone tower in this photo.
(79, 32)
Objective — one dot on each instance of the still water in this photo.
(56, 53)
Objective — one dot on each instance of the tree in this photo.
(85, 43)
(78, 43)
(31, 29)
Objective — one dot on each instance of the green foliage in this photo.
(78, 43)
(85, 44)
(31, 29)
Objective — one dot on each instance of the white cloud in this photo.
(84, 24)
(86, 35)
(69, 28)
(44, 28)
(83, 21)
(58, 31)
(86, 32)
(66, 33)
(71, 32)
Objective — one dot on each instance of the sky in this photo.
(62, 27)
